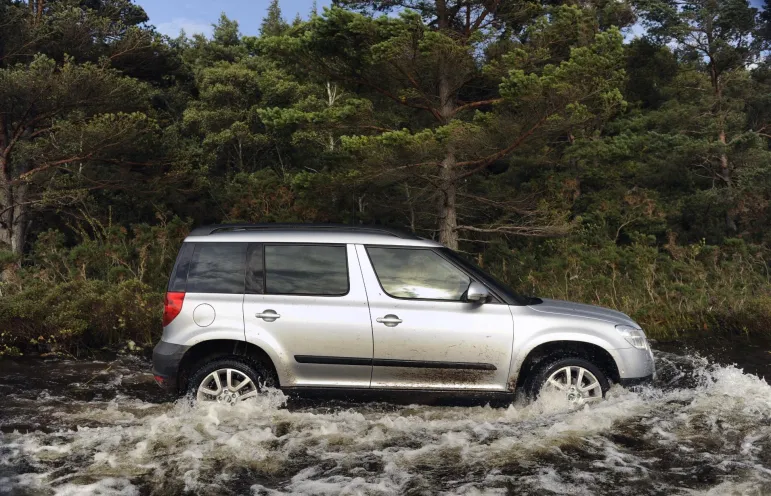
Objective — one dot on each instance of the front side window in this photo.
(417, 274)
(320, 270)
(217, 268)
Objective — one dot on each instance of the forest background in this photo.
(613, 152)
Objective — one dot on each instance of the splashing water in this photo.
(702, 429)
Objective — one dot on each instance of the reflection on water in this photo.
(103, 428)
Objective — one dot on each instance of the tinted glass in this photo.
(178, 279)
(217, 268)
(255, 282)
(306, 269)
(417, 274)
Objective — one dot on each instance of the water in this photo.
(104, 428)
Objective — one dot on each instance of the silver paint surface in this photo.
(347, 326)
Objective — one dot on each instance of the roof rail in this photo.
(215, 228)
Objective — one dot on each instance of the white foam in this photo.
(366, 450)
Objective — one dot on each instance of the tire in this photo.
(554, 369)
(240, 369)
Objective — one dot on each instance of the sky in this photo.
(197, 16)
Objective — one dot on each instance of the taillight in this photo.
(172, 305)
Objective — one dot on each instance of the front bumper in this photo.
(166, 360)
(635, 366)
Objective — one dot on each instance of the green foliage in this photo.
(672, 292)
(273, 24)
(104, 289)
(572, 160)
(78, 315)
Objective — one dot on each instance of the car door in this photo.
(425, 336)
(308, 303)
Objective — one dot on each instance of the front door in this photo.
(308, 303)
(425, 336)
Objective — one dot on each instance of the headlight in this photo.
(635, 337)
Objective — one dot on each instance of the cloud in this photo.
(190, 26)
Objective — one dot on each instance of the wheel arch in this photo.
(206, 350)
(594, 353)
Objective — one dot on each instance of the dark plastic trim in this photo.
(390, 362)
(406, 396)
(327, 360)
(212, 229)
(166, 360)
(636, 381)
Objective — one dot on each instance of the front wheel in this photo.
(579, 380)
(228, 380)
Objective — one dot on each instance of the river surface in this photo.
(103, 427)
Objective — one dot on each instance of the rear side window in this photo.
(217, 268)
(320, 270)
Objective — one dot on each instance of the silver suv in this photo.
(322, 308)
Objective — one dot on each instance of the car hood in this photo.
(580, 310)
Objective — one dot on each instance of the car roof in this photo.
(307, 233)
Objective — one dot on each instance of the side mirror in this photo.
(477, 293)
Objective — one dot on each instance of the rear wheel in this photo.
(579, 380)
(229, 380)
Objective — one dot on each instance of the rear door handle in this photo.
(389, 320)
(268, 315)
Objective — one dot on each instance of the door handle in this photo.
(389, 320)
(268, 315)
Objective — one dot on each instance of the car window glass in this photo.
(178, 280)
(417, 274)
(217, 268)
(306, 270)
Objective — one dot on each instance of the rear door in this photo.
(425, 335)
(308, 301)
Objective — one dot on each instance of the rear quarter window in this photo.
(178, 279)
(217, 268)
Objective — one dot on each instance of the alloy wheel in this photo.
(579, 385)
(228, 386)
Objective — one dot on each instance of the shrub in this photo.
(107, 288)
(104, 290)
(72, 316)
(671, 291)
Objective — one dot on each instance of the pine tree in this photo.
(67, 111)
(457, 87)
(718, 38)
(273, 24)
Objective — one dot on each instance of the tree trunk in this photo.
(6, 215)
(725, 174)
(725, 170)
(6, 195)
(13, 215)
(13, 220)
(19, 226)
(448, 216)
